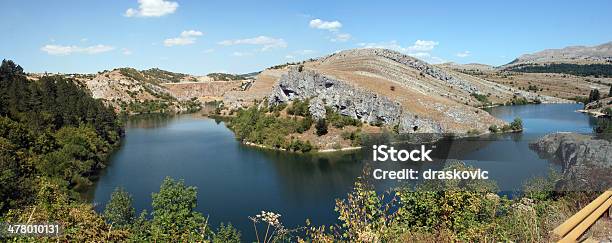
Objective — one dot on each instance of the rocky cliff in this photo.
(407, 110)
(587, 161)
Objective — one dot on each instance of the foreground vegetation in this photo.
(435, 211)
(451, 211)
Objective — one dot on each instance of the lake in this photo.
(235, 181)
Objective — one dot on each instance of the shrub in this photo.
(299, 108)
(519, 101)
(226, 234)
(354, 137)
(473, 132)
(607, 111)
(604, 126)
(321, 127)
(517, 124)
(493, 128)
(340, 121)
(305, 124)
(482, 98)
(299, 146)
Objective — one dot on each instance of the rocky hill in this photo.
(572, 54)
(132, 91)
(384, 86)
(567, 73)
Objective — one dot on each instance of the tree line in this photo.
(52, 130)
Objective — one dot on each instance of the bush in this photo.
(299, 108)
(299, 146)
(607, 111)
(482, 98)
(340, 121)
(354, 137)
(519, 101)
(226, 234)
(473, 132)
(305, 124)
(517, 124)
(604, 126)
(321, 127)
(493, 128)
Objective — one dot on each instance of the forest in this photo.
(50, 129)
(596, 70)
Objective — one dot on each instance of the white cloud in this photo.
(241, 54)
(420, 54)
(342, 37)
(436, 60)
(420, 49)
(304, 52)
(418, 46)
(423, 45)
(126, 51)
(266, 42)
(187, 37)
(463, 54)
(60, 50)
(325, 25)
(152, 8)
(393, 45)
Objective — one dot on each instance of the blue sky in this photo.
(203, 36)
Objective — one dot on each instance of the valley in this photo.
(382, 89)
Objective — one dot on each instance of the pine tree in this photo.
(594, 95)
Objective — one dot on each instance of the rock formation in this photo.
(586, 161)
(428, 115)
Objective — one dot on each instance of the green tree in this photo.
(321, 127)
(226, 234)
(119, 210)
(594, 95)
(174, 215)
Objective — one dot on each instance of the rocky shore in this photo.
(586, 160)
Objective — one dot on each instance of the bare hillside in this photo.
(384, 86)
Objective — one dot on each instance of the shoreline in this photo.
(595, 114)
(313, 151)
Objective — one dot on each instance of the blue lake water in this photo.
(236, 181)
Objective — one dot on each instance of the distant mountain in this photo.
(572, 54)
(593, 61)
